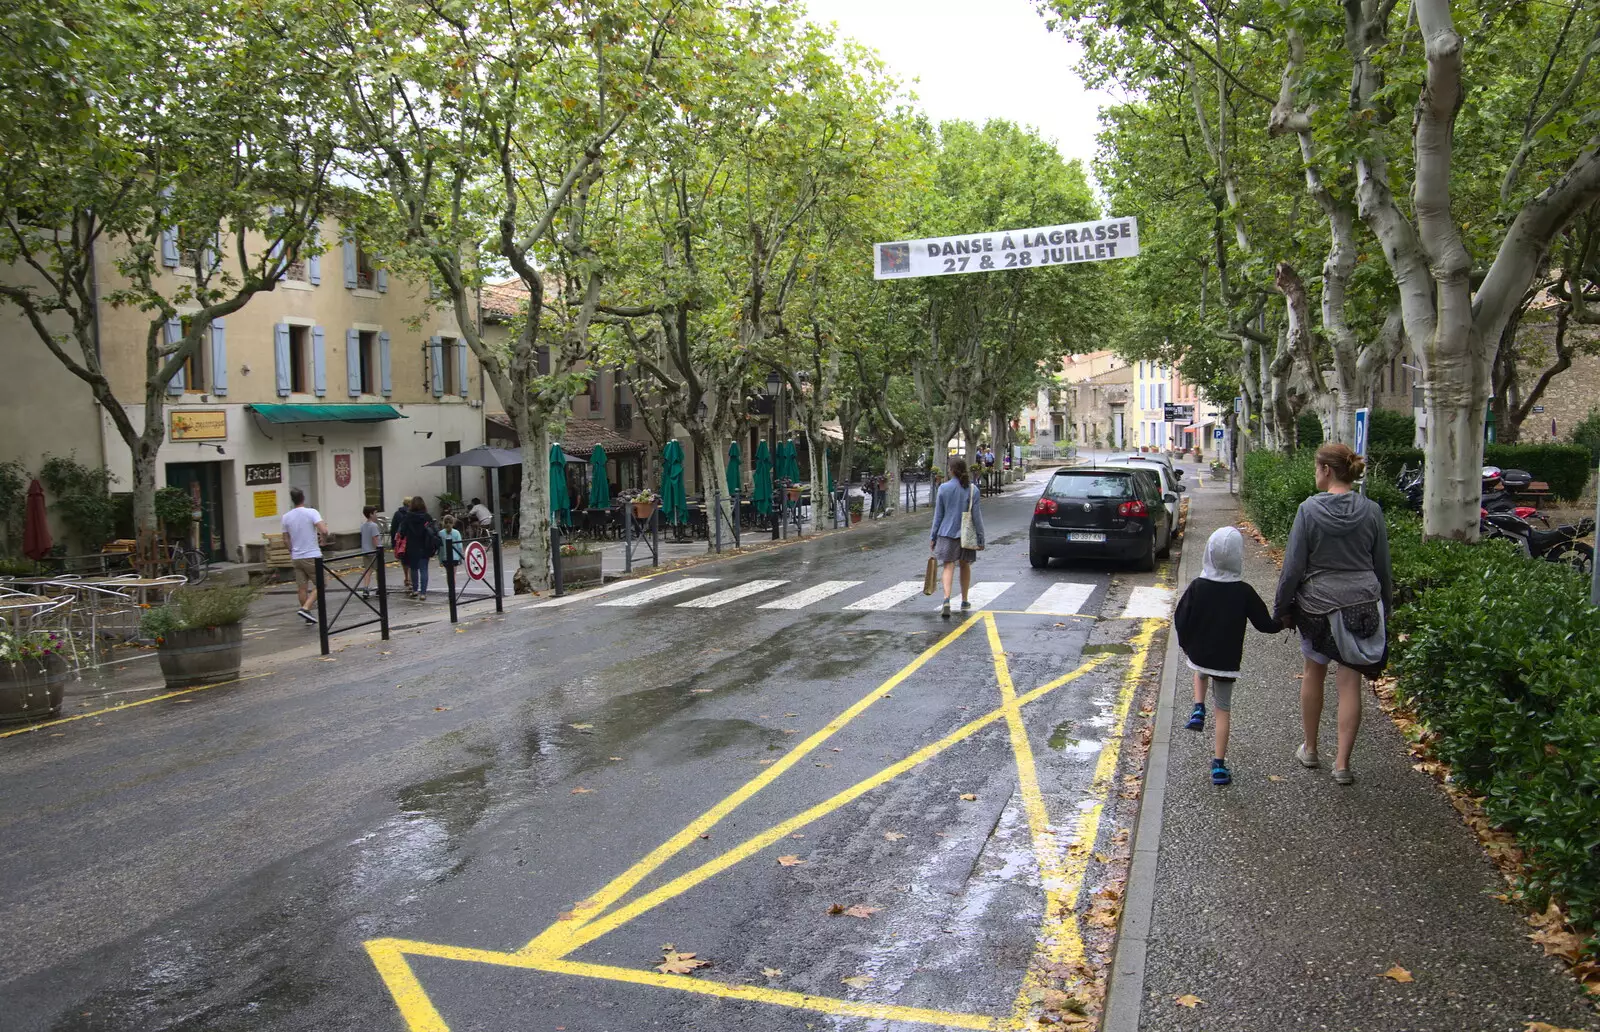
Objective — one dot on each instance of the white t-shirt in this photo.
(300, 523)
(481, 513)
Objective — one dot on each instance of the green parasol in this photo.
(761, 479)
(735, 469)
(789, 462)
(560, 501)
(599, 480)
(674, 502)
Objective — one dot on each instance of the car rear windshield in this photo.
(1064, 486)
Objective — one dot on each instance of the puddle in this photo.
(1115, 648)
(1059, 733)
(1061, 740)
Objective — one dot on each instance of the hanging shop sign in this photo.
(263, 473)
(198, 425)
(1069, 244)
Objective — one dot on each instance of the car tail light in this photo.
(1133, 508)
(1045, 507)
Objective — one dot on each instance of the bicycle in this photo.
(188, 563)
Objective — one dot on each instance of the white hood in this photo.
(1224, 556)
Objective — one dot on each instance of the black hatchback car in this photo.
(1101, 514)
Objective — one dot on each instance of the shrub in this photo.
(82, 499)
(1388, 430)
(191, 608)
(1308, 431)
(1565, 467)
(1497, 659)
(175, 510)
(1587, 435)
(1274, 486)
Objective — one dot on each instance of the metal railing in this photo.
(351, 591)
(634, 536)
(480, 560)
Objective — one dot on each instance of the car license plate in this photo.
(1079, 535)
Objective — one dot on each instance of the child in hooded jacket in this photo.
(1210, 621)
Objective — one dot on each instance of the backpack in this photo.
(431, 548)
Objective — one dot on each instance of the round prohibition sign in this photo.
(477, 560)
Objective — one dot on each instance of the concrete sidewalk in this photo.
(1281, 900)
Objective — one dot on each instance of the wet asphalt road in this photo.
(217, 862)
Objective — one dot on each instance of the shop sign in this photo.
(341, 468)
(264, 473)
(196, 425)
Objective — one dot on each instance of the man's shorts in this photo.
(305, 572)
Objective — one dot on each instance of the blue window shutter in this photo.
(352, 361)
(436, 365)
(208, 254)
(175, 334)
(461, 368)
(383, 280)
(219, 358)
(169, 247)
(319, 362)
(350, 262)
(314, 263)
(386, 381)
(276, 233)
(280, 357)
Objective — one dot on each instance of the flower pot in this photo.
(855, 517)
(793, 493)
(202, 655)
(642, 511)
(30, 689)
(580, 569)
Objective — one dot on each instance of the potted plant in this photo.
(644, 505)
(792, 492)
(580, 563)
(33, 671)
(198, 634)
(855, 510)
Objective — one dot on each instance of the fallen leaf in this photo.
(567, 915)
(791, 730)
(836, 749)
(436, 709)
(893, 836)
(790, 861)
(969, 798)
(1540, 1026)
(1558, 942)
(613, 758)
(797, 835)
(835, 909)
(1276, 777)
(1102, 858)
(766, 763)
(675, 963)
(772, 972)
(699, 691)
(1189, 1000)
(857, 981)
(861, 910)
(582, 791)
(1398, 973)
(580, 727)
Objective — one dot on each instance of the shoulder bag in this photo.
(969, 529)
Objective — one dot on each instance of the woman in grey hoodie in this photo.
(1336, 590)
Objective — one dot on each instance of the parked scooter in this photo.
(1494, 494)
(1558, 545)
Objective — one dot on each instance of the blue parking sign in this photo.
(1361, 431)
(1217, 433)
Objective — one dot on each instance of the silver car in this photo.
(1170, 488)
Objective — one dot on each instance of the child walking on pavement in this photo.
(1210, 621)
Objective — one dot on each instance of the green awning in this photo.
(326, 413)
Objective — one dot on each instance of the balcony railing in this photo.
(624, 415)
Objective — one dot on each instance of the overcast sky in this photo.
(978, 59)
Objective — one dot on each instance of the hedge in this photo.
(1565, 467)
(1495, 653)
(1274, 485)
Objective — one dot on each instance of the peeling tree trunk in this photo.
(891, 476)
(533, 522)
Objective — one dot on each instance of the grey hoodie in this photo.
(1338, 555)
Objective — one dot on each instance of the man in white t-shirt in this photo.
(480, 512)
(305, 529)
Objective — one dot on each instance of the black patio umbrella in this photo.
(491, 459)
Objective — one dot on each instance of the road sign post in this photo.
(1362, 418)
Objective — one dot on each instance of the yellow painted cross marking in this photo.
(129, 705)
(1061, 871)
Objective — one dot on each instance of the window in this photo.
(592, 392)
(367, 345)
(299, 359)
(297, 271)
(194, 367)
(366, 271)
(372, 477)
(452, 474)
(447, 365)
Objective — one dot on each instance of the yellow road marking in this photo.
(129, 705)
(1062, 875)
(422, 1016)
(684, 882)
(552, 940)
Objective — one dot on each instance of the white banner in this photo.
(1008, 249)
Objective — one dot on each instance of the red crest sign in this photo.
(341, 469)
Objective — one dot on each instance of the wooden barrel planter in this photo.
(31, 689)
(203, 655)
(580, 569)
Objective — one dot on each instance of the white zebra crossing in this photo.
(983, 593)
(661, 591)
(1064, 599)
(733, 594)
(887, 598)
(814, 594)
(1147, 603)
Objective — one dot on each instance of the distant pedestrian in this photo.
(371, 541)
(955, 498)
(420, 543)
(1210, 621)
(480, 512)
(449, 541)
(1336, 590)
(306, 531)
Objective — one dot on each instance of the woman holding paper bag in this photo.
(957, 536)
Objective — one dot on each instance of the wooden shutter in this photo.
(436, 365)
(280, 358)
(386, 381)
(350, 262)
(314, 263)
(319, 362)
(219, 359)
(352, 361)
(175, 334)
(461, 367)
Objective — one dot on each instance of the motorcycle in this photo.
(1494, 493)
(1558, 545)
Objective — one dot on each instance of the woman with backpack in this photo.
(957, 530)
(418, 543)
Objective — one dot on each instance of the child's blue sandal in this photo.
(1220, 774)
(1197, 719)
